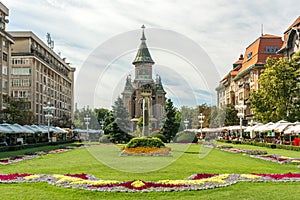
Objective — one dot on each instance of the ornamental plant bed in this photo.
(146, 151)
(278, 158)
(19, 158)
(194, 182)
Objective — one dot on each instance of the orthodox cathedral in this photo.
(134, 91)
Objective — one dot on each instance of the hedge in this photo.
(145, 142)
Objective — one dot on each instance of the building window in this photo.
(20, 61)
(21, 82)
(4, 57)
(21, 93)
(21, 71)
(271, 49)
(249, 55)
(4, 43)
(4, 84)
(4, 70)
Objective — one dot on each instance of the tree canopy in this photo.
(278, 94)
(18, 111)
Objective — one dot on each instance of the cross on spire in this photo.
(143, 35)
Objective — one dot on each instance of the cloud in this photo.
(223, 29)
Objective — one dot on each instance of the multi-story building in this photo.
(235, 87)
(132, 94)
(39, 75)
(291, 43)
(5, 49)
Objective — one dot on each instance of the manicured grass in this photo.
(32, 150)
(182, 165)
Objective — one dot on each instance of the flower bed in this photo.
(194, 182)
(146, 151)
(240, 150)
(6, 161)
(278, 159)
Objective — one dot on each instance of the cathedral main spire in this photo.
(143, 54)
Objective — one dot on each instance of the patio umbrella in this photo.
(39, 129)
(8, 128)
(22, 129)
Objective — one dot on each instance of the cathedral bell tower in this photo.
(144, 97)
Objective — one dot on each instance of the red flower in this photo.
(7, 177)
(280, 176)
(202, 176)
(82, 176)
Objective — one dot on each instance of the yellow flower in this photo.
(218, 179)
(137, 184)
(31, 177)
(67, 179)
(295, 161)
(250, 176)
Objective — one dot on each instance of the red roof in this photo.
(295, 23)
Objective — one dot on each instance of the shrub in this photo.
(104, 139)
(145, 142)
(185, 137)
(158, 134)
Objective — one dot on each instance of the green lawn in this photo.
(184, 163)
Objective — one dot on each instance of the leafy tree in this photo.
(206, 111)
(18, 111)
(186, 114)
(230, 115)
(171, 125)
(278, 96)
(64, 121)
(217, 117)
(101, 113)
(79, 116)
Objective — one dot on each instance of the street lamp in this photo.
(201, 121)
(186, 123)
(240, 114)
(87, 122)
(102, 126)
(48, 109)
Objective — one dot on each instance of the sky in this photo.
(193, 43)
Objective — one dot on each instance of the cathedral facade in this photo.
(134, 91)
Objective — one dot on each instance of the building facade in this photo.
(132, 94)
(291, 44)
(236, 86)
(6, 40)
(38, 75)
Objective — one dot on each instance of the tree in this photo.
(18, 111)
(100, 114)
(64, 121)
(206, 111)
(278, 96)
(230, 115)
(79, 116)
(119, 125)
(171, 125)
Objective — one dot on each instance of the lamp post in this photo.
(48, 116)
(201, 121)
(240, 114)
(186, 123)
(87, 122)
(102, 126)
